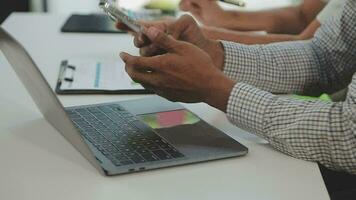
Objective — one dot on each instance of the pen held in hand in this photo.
(240, 3)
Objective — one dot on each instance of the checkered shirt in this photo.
(313, 130)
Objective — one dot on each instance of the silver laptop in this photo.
(128, 136)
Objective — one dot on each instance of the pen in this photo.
(240, 3)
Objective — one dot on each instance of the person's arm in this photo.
(288, 20)
(310, 130)
(251, 38)
(307, 67)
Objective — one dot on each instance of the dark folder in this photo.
(92, 23)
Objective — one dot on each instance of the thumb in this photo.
(161, 39)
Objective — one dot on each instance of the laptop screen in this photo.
(41, 93)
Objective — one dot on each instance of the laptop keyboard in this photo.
(116, 133)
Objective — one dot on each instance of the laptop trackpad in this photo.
(191, 135)
(187, 132)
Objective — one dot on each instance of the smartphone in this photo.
(119, 15)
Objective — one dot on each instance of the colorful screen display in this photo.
(169, 119)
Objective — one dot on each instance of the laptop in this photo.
(128, 136)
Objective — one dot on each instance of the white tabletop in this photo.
(37, 163)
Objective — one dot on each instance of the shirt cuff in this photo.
(240, 61)
(247, 107)
(231, 59)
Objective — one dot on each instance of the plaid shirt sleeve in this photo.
(310, 130)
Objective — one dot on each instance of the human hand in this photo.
(185, 29)
(208, 12)
(184, 73)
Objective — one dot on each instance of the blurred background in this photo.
(91, 6)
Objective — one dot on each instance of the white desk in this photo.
(37, 163)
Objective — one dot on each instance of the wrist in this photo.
(219, 93)
(226, 21)
(216, 51)
(213, 14)
(212, 33)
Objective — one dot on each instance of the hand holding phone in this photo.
(118, 15)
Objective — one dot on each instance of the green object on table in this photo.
(165, 5)
(323, 97)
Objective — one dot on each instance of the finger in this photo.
(195, 9)
(122, 26)
(145, 23)
(151, 50)
(178, 27)
(162, 40)
(145, 79)
(138, 76)
(144, 64)
(135, 61)
(141, 40)
(190, 5)
(159, 24)
(184, 5)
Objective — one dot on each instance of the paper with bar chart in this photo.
(89, 74)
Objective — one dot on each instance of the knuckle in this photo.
(127, 61)
(152, 49)
(186, 18)
(137, 61)
(130, 62)
(161, 37)
(175, 29)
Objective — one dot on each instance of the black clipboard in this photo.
(91, 23)
(62, 77)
